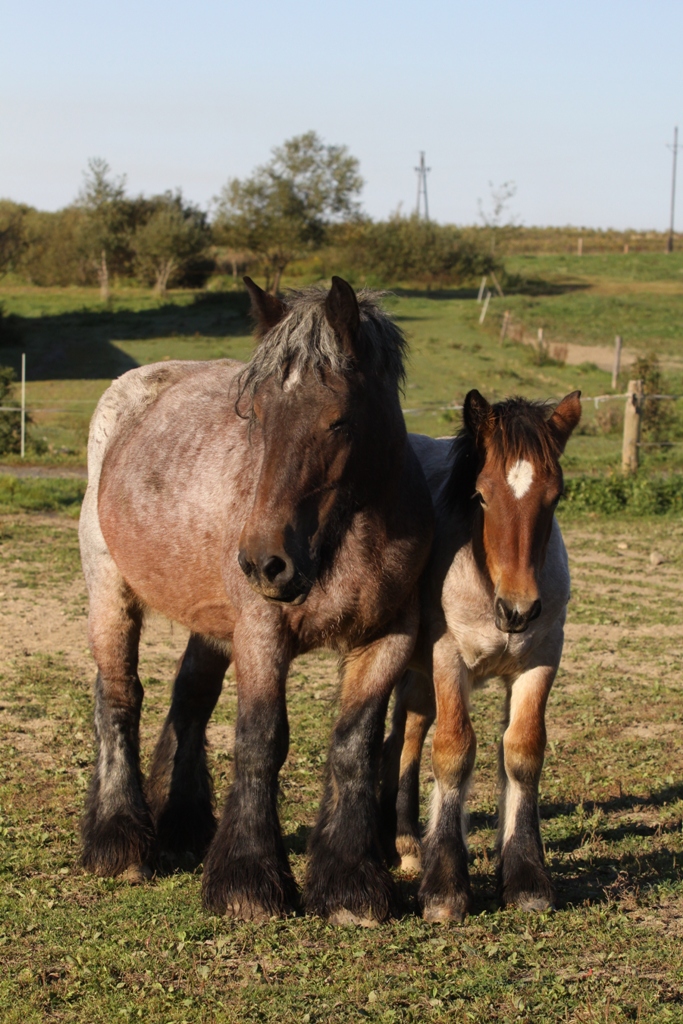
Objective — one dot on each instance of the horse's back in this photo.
(119, 411)
(434, 456)
(126, 400)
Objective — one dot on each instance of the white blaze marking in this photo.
(520, 477)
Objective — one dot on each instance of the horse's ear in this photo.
(476, 412)
(267, 310)
(343, 314)
(566, 416)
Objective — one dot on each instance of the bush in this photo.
(658, 414)
(41, 495)
(410, 249)
(637, 495)
(10, 422)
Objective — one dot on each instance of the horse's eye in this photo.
(480, 498)
(339, 426)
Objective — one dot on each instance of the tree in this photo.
(285, 208)
(500, 225)
(12, 234)
(175, 233)
(107, 235)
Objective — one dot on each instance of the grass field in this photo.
(78, 949)
(75, 346)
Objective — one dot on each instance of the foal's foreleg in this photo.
(247, 872)
(117, 829)
(347, 880)
(414, 713)
(445, 892)
(522, 876)
(179, 788)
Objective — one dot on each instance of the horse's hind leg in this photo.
(117, 829)
(179, 788)
(522, 877)
(414, 712)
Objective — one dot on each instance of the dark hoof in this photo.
(357, 894)
(441, 909)
(137, 874)
(184, 836)
(528, 889)
(410, 854)
(119, 843)
(248, 890)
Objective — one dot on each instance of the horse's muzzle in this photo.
(275, 577)
(517, 618)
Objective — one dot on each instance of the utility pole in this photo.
(674, 148)
(422, 173)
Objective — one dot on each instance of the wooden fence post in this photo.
(617, 362)
(633, 415)
(504, 328)
(579, 247)
(485, 307)
(481, 289)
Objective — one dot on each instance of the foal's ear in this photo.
(343, 314)
(475, 413)
(267, 310)
(567, 414)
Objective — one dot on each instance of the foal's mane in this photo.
(517, 428)
(304, 340)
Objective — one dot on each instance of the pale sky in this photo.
(573, 101)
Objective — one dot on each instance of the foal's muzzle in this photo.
(274, 576)
(515, 618)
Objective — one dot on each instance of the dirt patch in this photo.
(652, 731)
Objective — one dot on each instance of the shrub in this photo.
(658, 415)
(636, 495)
(410, 249)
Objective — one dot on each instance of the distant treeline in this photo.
(303, 203)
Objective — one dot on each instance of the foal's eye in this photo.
(339, 426)
(480, 498)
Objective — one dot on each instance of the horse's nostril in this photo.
(503, 610)
(272, 567)
(534, 611)
(244, 563)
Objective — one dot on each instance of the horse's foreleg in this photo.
(246, 871)
(179, 788)
(522, 877)
(413, 715)
(117, 829)
(347, 880)
(445, 892)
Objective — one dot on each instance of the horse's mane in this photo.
(517, 429)
(304, 340)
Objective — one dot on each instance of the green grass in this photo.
(75, 345)
(78, 949)
(41, 495)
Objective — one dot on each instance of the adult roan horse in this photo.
(271, 509)
(493, 600)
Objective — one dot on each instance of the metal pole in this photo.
(670, 243)
(23, 404)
